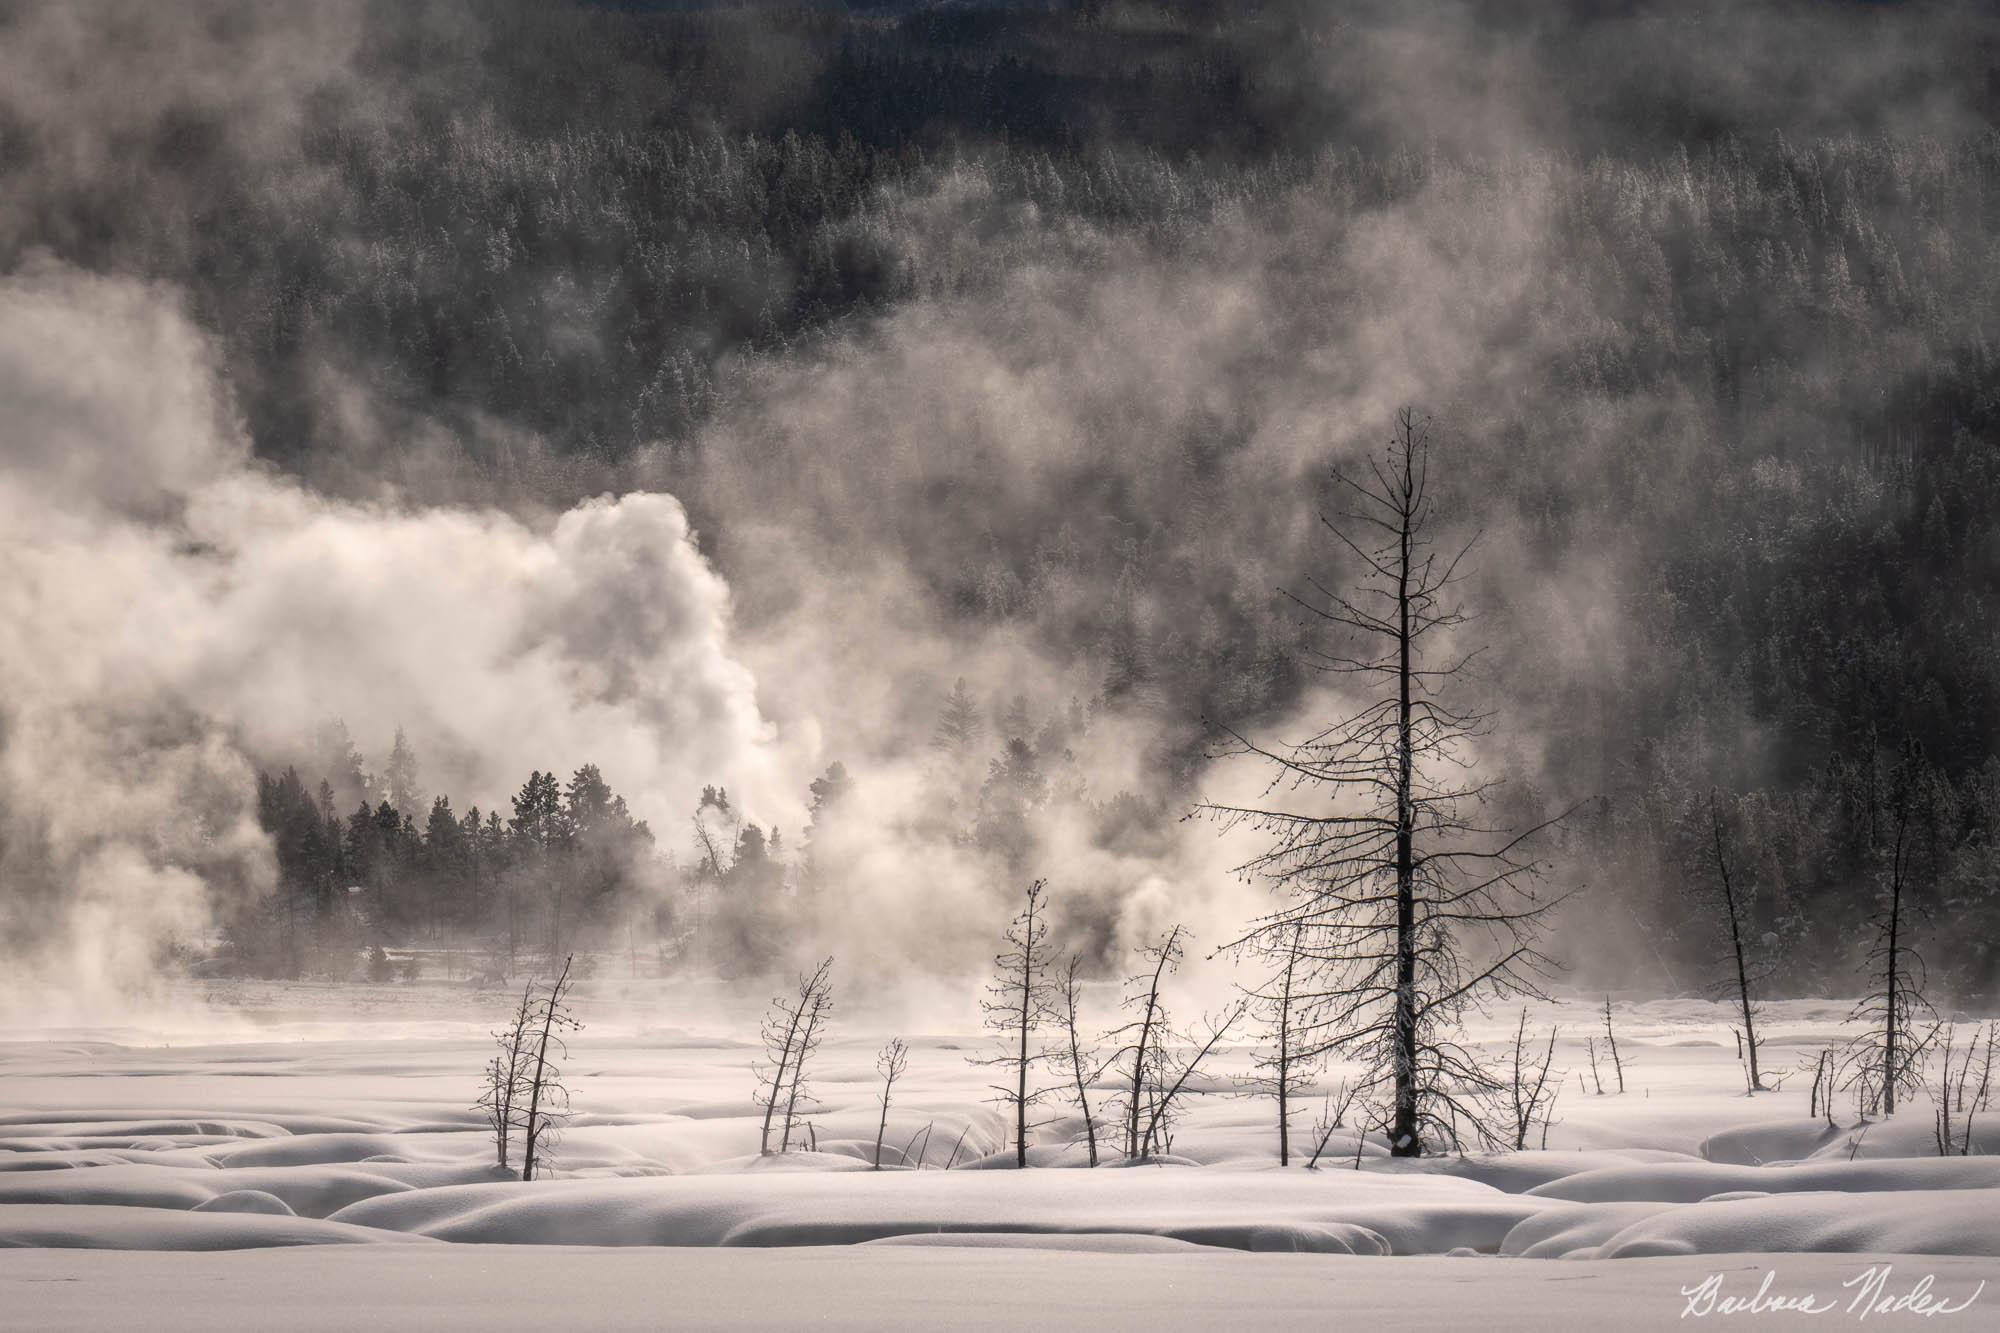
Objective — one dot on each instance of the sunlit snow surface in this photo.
(334, 1124)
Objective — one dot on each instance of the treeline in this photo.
(568, 862)
(365, 861)
(1811, 864)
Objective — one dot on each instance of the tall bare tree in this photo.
(1732, 907)
(1531, 1088)
(548, 1099)
(1899, 1020)
(506, 1076)
(1415, 908)
(1173, 1080)
(1142, 1039)
(1281, 1070)
(1017, 1003)
(799, 1101)
(1080, 1067)
(783, 1030)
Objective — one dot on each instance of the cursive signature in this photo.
(1871, 1295)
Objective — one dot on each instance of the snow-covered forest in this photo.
(674, 624)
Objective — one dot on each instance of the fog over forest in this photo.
(718, 485)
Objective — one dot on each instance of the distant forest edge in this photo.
(1748, 390)
(366, 859)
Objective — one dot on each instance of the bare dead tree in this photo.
(1166, 1105)
(1823, 1070)
(1899, 1021)
(1611, 1039)
(1332, 1116)
(1078, 1065)
(1733, 911)
(1981, 1096)
(1984, 1096)
(895, 1057)
(1281, 1070)
(1956, 1094)
(505, 1076)
(1532, 1086)
(799, 1101)
(1372, 1117)
(707, 875)
(956, 1144)
(1017, 1003)
(548, 1099)
(1416, 910)
(1140, 1039)
(1942, 1100)
(781, 1028)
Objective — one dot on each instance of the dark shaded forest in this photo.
(1712, 309)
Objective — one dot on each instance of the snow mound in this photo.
(209, 1129)
(1963, 1222)
(308, 1150)
(1575, 1232)
(1765, 1143)
(65, 1159)
(114, 1142)
(71, 1227)
(79, 1120)
(1908, 1136)
(124, 1186)
(245, 1201)
(309, 1191)
(1340, 1212)
(1521, 1172)
(1691, 1182)
(1291, 1238)
(1080, 1242)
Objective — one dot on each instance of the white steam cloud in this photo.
(173, 613)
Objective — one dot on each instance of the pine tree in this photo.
(400, 777)
(958, 726)
(338, 763)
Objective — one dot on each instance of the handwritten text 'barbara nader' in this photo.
(1868, 1293)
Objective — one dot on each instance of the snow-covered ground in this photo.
(318, 1145)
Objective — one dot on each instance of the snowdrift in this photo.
(1329, 1211)
(1963, 1222)
(97, 1227)
(1691, 1182)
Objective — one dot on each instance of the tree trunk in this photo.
(1076, 1063)
(1138, 1078)
(771, 1103)
(1285, 1054)
(798, 1069)
(1889, 996)
(1021, 1061)
(1139, 1047)
(1404, 1140)
(528, 1144)
(1736, 943)
(778, 1081)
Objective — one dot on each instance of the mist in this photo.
(351, 378)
